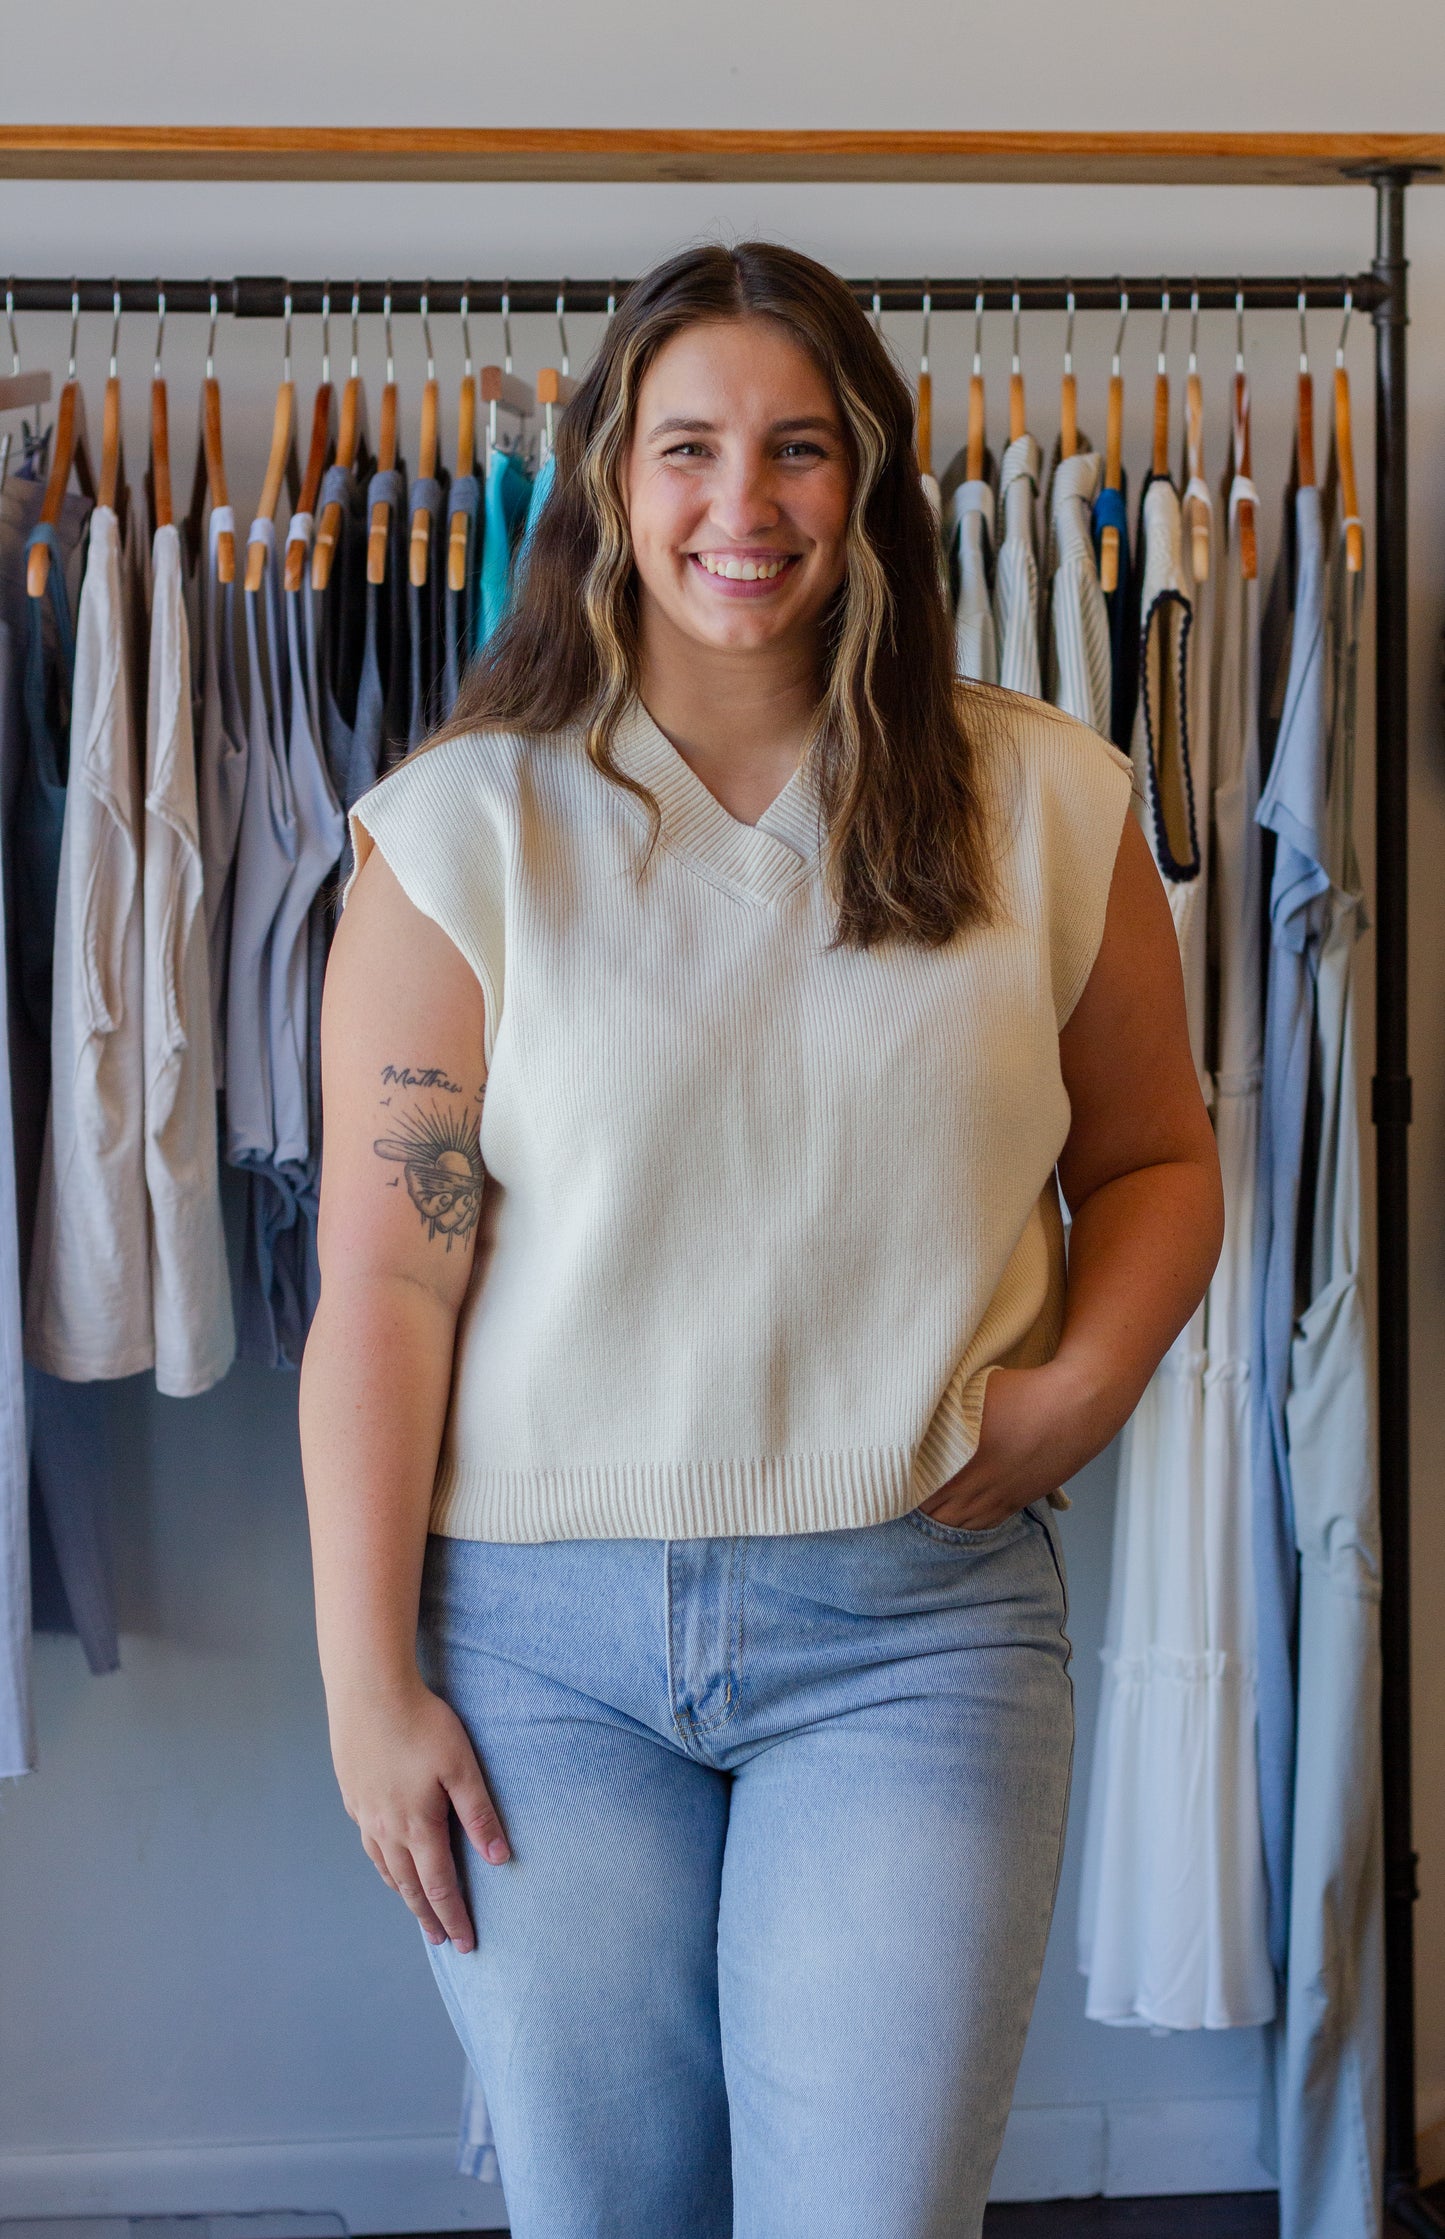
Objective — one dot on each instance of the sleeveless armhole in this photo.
(1087, 787)
(436, 826)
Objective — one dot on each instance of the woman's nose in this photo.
(742, 500)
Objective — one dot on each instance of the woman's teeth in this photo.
(743, 571)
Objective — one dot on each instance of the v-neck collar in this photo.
(764, 861)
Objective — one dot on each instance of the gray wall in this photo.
(208, 1999)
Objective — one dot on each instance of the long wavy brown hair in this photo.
(896, 768)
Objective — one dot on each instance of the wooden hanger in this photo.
(209, 480)
(1305, 421)
(1017, 418)
(1114, 453)
(1239, 439)
(459, 524)
(923, 434)
(348, 440)
(111, 490)
(280, 461)
(162, 509)
(1345, 452)
(1069, 393)
(1161, 399)
(977, 449)
(376, 539)
(500, 389)
(1194, 446)
(318, 450)
(426, 462)
(69, 452)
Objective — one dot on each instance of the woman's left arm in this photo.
(1140, 1176)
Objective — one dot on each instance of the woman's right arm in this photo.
(403, 1071)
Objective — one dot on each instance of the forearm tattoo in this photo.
(437, 1146)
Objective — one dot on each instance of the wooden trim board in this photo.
(936, 158)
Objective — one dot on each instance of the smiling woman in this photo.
(721, 1009)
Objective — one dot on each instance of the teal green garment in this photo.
(542, 482)
(508, 495)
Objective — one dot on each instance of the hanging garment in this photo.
(542, 481)
(304, 630)
(87, 1303)
(383, 693)
(424, 609)
(265, 860)
(341, 625)
(1293, 808)
(975, 643)
(1016, 576)
(1081, 668)
(40, 809)
(1111, 511)
(1197, 535)
(195, 1338)
(1161, 1863)
(1330, 2053)
(56, 1515)
(220, 775)
(506, 500)
(460, 605)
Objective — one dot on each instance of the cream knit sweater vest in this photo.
(762, 1213)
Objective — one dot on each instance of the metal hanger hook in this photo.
(1239, 329)
(211, 336)
(355, 321)
(160, 329)
(611, 303)
(10, 322)
(386, 329)
(1069, 330)
(1345, 325)
(1016, 327)
(1164, 330)
(326, 334)
(466, 311)
(978, 334)
(506, 326)
(1119, 337)
(114, 325)
(877, 311)
(562, 326)
(1194, 328)
(425, 308)
(1304, 344)
(286, 336)
(927, 320)
(74, 325)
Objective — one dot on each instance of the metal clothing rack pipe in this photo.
(263, 295)
(1383, 292)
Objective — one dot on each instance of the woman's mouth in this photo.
(746, 572)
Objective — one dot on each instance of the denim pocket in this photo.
(959, 1535)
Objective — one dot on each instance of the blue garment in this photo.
(40, 808)
(222, 749)
(710, 1991)
(1293, 806)
(542, 483)
(383, 695)
(506, 502)
(1111, 511)
(460, 613)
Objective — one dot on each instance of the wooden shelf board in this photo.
(432, 153)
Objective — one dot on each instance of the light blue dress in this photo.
(506, 503)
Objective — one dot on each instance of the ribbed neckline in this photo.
(764, 861)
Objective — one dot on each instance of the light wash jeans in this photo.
(786, 1817)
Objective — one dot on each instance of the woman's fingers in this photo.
(409, 1878)
(477, 1813)
(436, 1883)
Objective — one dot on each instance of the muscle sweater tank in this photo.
(761, 1214)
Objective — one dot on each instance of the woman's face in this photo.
(738, 488)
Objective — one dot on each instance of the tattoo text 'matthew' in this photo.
(419, 1076)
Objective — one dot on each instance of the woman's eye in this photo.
(684, 451)
(802, 450)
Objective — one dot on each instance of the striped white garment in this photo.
(975, 644)
(1081, 667)
(1016, 582)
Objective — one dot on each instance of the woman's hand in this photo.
(405, 1763)
(1037, 1431)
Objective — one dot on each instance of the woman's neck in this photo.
(740, 722)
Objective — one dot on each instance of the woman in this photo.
(719, 1470)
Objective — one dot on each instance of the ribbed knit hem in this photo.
(765, 1497)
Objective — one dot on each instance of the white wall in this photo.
(208, 1998)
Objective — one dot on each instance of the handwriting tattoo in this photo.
(425, 1076)
(440, 1156)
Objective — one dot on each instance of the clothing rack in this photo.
(1388, 164)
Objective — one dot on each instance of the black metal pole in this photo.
(1391, 1100)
